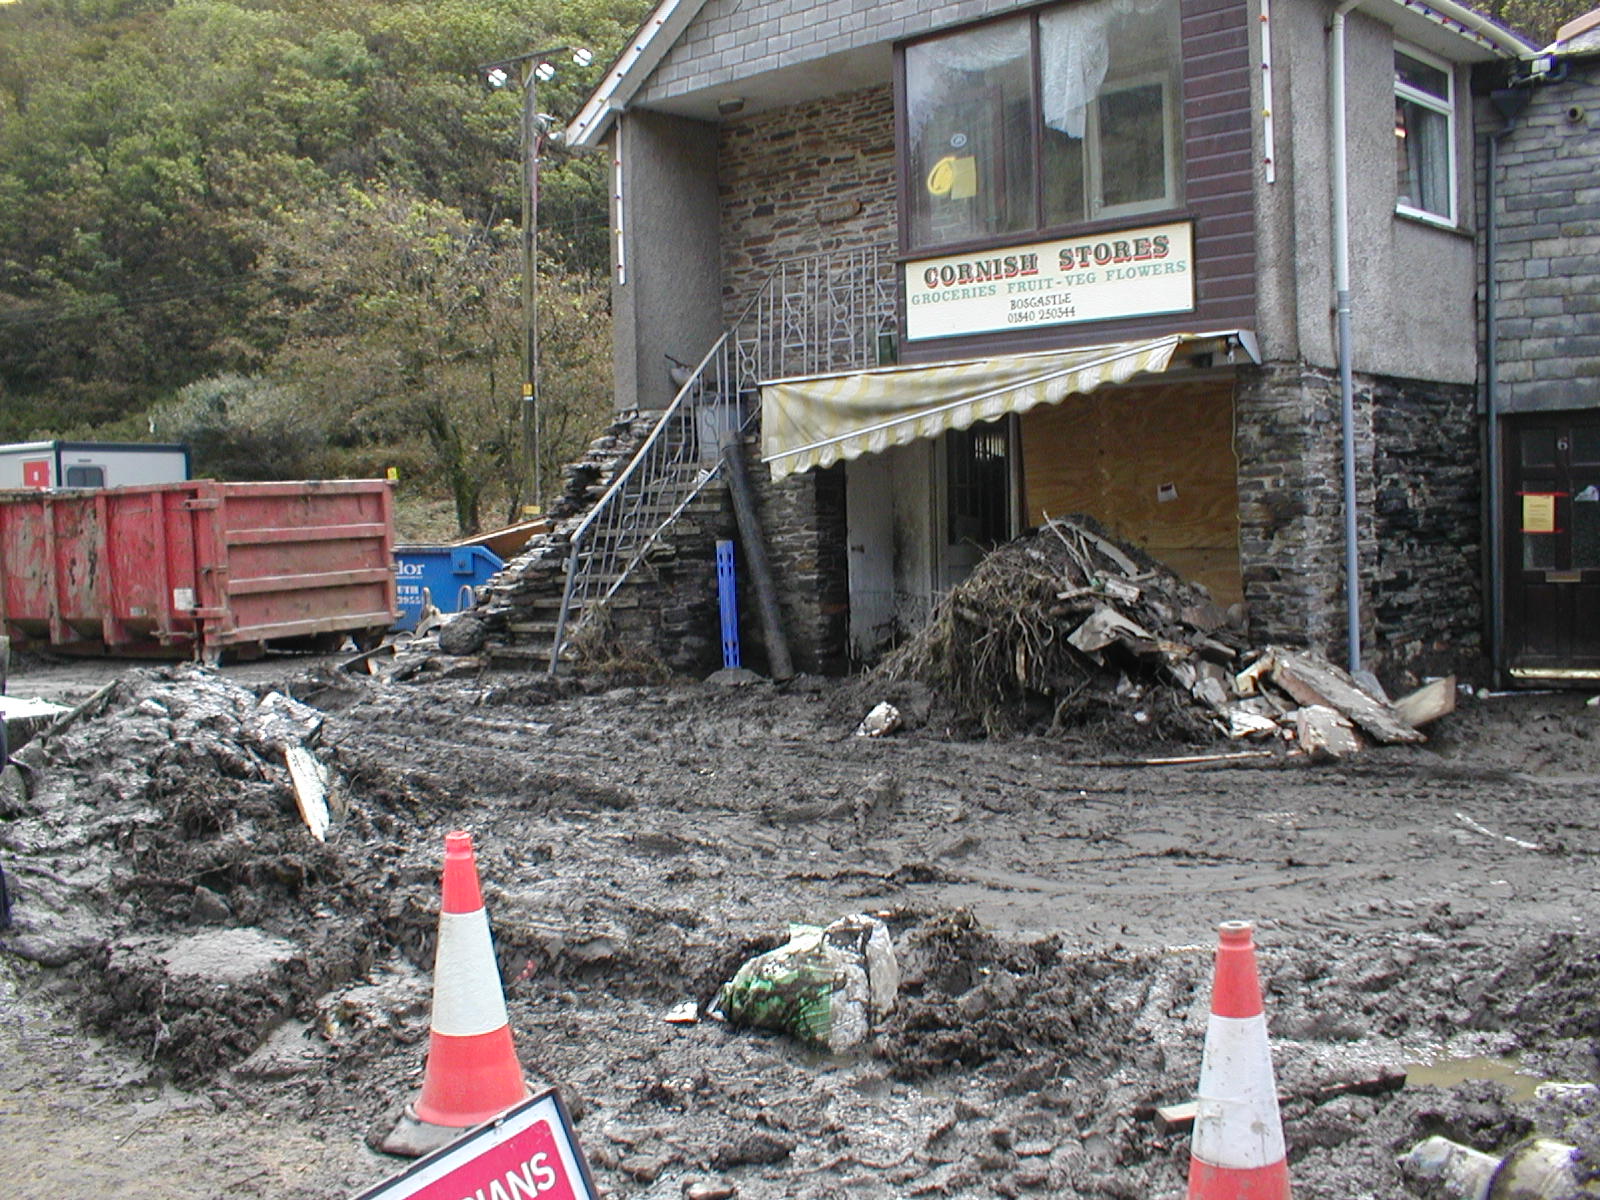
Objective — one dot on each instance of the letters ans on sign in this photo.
(528, 1154)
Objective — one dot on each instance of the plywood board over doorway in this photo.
(1154, 463)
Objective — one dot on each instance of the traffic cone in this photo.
(472, 1073)
(1237, 1149)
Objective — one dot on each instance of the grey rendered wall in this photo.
(668, 299)
(1412, 283)
(1548, 267)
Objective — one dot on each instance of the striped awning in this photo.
(818, 421)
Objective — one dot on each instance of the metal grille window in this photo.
(1424, 134)
(979, 484)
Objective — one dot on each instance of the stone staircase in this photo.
(663, 605)
(637, 525)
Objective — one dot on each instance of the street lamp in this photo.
(528, 71)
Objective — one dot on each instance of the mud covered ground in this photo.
(200, 1001)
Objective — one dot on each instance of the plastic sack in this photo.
(825, 986)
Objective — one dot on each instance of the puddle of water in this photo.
(1447, 1072)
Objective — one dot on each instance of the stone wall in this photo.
(808, 180)
(1418, 528)
(673, 611)
(803, 522)
(811, 179)
(1428, 525)
(1291, 539)
(1548, 259)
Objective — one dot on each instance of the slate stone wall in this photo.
(1418, 491)
(673, 610)
(1548, 254)
(803, 521)
(811, 179)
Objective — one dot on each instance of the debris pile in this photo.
(1069, 626)
(166, 844)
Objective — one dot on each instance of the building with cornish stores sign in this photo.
(1202, 269)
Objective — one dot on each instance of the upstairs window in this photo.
(1037, 122)
(1424, 135)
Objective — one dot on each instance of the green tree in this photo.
(403, 324)
(239, 427)
(141, 141)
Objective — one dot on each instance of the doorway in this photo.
(1552, 546)
(979, 496)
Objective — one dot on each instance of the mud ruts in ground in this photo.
(1054, 921)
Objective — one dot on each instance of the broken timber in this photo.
(1319, 683)
(1428, 703)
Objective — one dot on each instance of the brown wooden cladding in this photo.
(1154, 463)
(1219, 181)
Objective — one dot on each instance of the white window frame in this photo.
(1096, 150)
(1446, 108)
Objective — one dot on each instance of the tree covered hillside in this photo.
(286, 230)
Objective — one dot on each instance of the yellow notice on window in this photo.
(1539, 512)
(953, 176)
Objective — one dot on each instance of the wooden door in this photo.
(1552, 559)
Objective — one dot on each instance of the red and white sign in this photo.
(36, 473)
(1106, 276)
(530, 1153)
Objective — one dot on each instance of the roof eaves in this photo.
(1466, 23)
(623, 79)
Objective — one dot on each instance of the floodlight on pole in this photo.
(532, 69)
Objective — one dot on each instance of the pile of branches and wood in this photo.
(1068, 627)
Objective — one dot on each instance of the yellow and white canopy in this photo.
(824, 419)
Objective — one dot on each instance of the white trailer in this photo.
(91, 464)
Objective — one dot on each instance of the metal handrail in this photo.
(809, 316)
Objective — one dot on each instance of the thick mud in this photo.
(201, 1000)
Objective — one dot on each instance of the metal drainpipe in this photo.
(1491, 400)
(1341, 286)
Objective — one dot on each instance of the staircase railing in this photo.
(810, 316)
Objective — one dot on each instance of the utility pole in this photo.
(531, 70)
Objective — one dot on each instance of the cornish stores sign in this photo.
(529, 1153)
(1130, 273)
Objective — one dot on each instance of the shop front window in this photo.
(970, 116)
(1039, 122)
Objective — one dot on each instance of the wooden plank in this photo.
(1315, 682)
(1104, 626)
(309, 780)
(1428, 703)
(1324, 732)
(1174, 1118)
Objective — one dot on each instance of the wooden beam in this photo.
(779, 663)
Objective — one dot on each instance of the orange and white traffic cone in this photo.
(1237, 1151)
(472, 1073)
